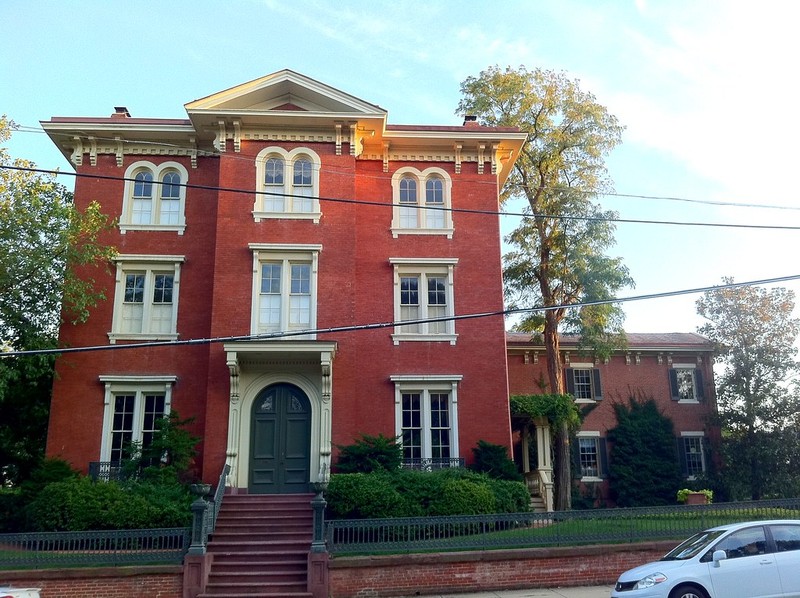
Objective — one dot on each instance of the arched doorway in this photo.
(280, 441)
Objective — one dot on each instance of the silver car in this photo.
(6, 592)
(756, 559)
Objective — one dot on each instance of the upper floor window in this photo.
(146, 297)
(426, 420)
(284, 288)
(287, 184)
(155, 197)
(583, 382)
(422, 202)
(423, 296)
(686, 383)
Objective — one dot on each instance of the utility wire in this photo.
(380, 325)
(416, 206)
(216, 153)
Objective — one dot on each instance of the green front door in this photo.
(280, 441)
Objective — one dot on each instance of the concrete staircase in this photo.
(260, 547)
(537, 504)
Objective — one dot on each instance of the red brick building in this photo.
(675, 369)
(292, 225)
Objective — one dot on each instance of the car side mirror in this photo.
(719, 555)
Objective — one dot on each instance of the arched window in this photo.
(426, 215)
(288, 184)
(155, 197)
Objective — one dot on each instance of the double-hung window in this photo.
(590, 456)
(284, 288)
(583, 382)
(422, 203)
(155, 197)
(146, 297)
(132, 406)
(686, 383)
(424, 299)
(426, 420)
(287, 184)
(692, 448)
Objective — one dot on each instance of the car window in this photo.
(786, 536)
(745, 542)
(692, 546)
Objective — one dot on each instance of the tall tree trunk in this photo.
(563, 457)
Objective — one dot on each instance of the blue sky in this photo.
(706, 90)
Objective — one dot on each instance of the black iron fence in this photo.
(99, 548)
(561, 528)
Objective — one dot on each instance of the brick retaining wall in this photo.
(444, 573)
(101, 582)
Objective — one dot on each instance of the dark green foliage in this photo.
(51, 470)
(493, 460)
(364, 496)
(557, 408)
(463, 497)
(169, 458)
(407, 493)
(370, 453)
(644, 469)
(80, 504)
(11, 508)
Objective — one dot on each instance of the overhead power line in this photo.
(380, 325)
(382, 204)
(215, 153)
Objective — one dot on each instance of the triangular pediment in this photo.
(285, 90)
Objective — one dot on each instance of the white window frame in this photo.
(703, 457)
(285, 253)
(289, 158)
(693, 369)
(139, 386)
(424, 268)
(596, 437)
(426, 385)
(421, 177)
(150, 265)
(585, 366)
(158, 171)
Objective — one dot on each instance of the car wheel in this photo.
(687, 591)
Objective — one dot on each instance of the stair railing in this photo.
(204, 515)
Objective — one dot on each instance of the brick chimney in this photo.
(121, 112)
(470, 120)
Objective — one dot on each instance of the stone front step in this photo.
(260, 547)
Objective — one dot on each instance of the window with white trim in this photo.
(423, 296)
(426, 420)
(132, 406)
(590, 455)
(287, 184)
(146, 297)
(693, 453)
(686, 383)
(422, 202)
(155, 197)
(583, 382)
(284, 288)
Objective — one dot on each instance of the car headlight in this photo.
(650, 581)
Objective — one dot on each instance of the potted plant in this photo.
(695, 497)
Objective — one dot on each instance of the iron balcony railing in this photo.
(98, 548)
(431, 464)
(560, 528)
(106, 471)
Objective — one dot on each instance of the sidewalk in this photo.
(582, 592)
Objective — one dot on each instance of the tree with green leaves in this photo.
(48, 250)
(558, 256)
(755, 330)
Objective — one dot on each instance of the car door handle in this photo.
(765, 562)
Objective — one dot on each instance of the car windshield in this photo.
(692, 546)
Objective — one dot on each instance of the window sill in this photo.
(113, 337)
(315, 216)
(591, 480)
(585, 401)
(178, 228)
(688, 402)
(396, 232)
(435, 338)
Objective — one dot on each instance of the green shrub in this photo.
(463, 497)
(510, 497)
(493, 460)
(370, 453)
(51, 470)
(365, 496)
(11, 510)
